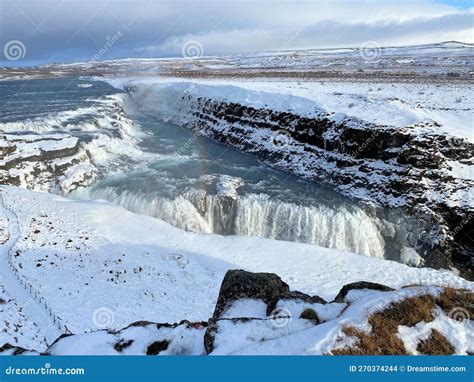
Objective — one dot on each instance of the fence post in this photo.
(27, 286)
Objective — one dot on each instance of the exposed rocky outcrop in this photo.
(268, 287)
(240, 284)
(358, 286)
(291, 323)
(384, 167)
(50, 162)
(157, 347)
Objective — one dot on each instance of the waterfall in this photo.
(344, 227)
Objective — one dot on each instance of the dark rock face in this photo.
(12, 350)
(238, 284)
(360, 285)
(267, 287)
(295, 295)
(390, 167)
(157, 347)
(241, 284)
(310, 314)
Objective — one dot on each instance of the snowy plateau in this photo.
(238, 259)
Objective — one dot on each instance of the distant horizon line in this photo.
(358, 47)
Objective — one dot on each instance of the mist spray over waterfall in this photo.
(344, 228)
(200, 186)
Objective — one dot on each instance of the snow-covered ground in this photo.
(98, 265)
(448, 59)
(81, 266)
(289, 334)
(421, 110)
(296, 327)
(439, 108)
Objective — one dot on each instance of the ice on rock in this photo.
(409, 256)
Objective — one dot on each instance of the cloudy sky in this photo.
(76, 30)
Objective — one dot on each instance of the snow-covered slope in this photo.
(256, 313)
(413, 164)
(58, 150)
(447, 60)
(119, 267)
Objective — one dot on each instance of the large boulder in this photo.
(9, 349)
(267, 287)
(360, 285)
(240, 284)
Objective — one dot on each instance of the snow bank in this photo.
(87, 258)
(440, 108)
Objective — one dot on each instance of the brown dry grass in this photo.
(383, 339)
(452, 299)
(435, 344)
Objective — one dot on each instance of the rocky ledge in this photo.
(392, 171)
(256, 313)
(390, 166)
(48, 162)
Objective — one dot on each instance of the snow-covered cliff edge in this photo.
(414, 168)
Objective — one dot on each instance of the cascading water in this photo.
(345, 227)
(199, 186)
(157, 168)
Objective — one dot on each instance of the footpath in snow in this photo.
(98, 266)
(19, 288)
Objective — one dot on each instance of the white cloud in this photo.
(327, 33)
(75, 29)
